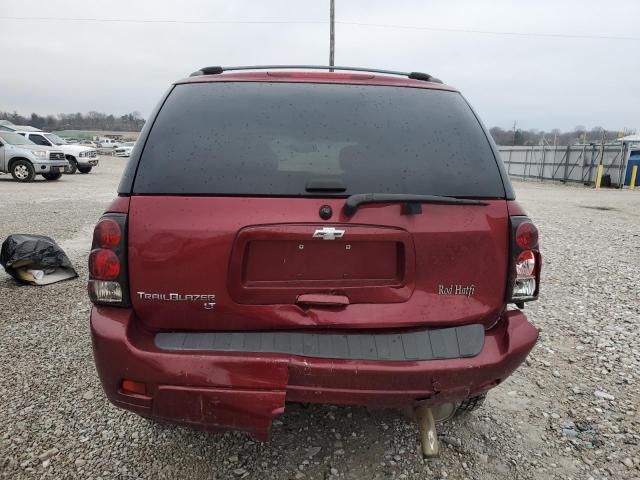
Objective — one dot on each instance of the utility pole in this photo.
(332, 34)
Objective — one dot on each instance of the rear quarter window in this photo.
(250, 138)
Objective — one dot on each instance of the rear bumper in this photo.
(244, 391)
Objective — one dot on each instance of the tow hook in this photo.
(428, 436)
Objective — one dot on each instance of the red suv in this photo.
(294, 235)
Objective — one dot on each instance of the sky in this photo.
(534, 63)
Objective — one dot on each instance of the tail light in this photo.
(108, 279)
(104, 264)
(525, 262)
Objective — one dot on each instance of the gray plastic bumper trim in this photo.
(455, 342)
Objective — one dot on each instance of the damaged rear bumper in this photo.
(218, 390)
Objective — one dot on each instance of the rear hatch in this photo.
(237, 219)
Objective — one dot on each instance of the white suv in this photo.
(80, 158)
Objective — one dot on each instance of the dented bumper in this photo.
(244, 391)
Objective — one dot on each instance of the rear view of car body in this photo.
(307, 237)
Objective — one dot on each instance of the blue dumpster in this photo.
(634, 160)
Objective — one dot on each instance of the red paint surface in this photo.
(185, 245)
(278, 263)
(245, 391)
(119, 205)
(218, 409)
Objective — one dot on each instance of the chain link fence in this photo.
(573, 163)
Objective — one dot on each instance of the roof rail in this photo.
(216, 70)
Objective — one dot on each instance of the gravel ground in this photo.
(571, 412)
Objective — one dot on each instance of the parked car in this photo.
(324, 237)
(23, 159)
(108, 143)
(80, 158)
(90, 143)
(124, 150)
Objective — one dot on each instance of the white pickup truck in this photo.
(24, 160)
(108, 142)
(80, 158)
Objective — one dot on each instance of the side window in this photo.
(39, 140)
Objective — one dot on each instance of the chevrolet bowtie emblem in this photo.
(328, 233)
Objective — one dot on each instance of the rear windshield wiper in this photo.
(412, 203)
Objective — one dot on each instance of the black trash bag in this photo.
(35, 259)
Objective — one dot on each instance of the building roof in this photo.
(629, 139)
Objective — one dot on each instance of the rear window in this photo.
(274, 138)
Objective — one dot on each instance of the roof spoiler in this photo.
(216, 70)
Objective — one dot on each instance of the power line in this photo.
(188, 22)
(492, 32)
(323, 22)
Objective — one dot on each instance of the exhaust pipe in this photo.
(428, 436)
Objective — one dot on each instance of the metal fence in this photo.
(574, 163)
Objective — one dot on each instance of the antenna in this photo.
(332, 36)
